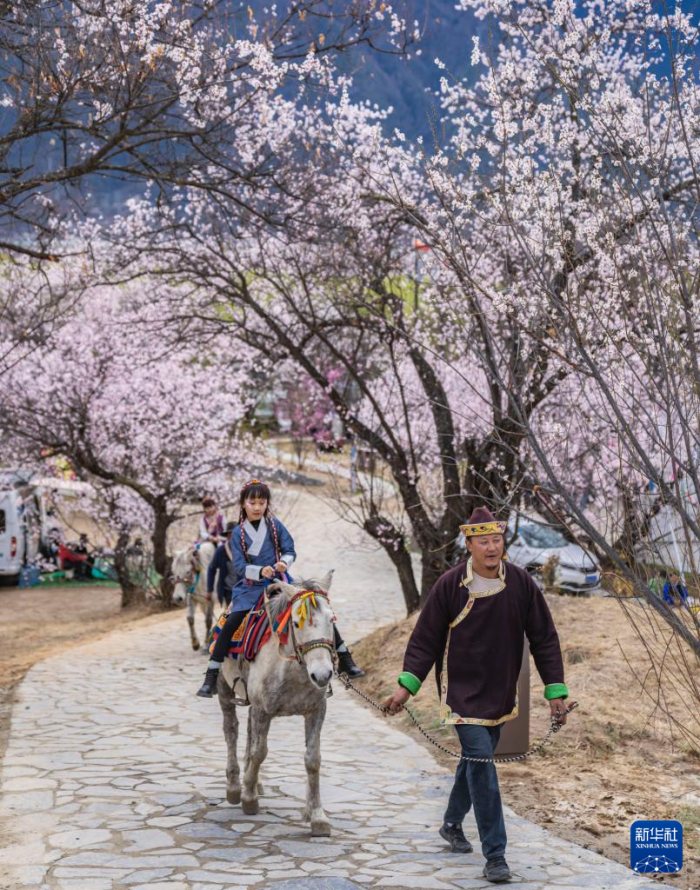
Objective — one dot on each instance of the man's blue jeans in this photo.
(476, 784)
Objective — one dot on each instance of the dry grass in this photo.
(617, 760)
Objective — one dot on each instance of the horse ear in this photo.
(325, 582)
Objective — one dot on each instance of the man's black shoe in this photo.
(208, 687)
(497, 871)
(454, 836)
(346, 665)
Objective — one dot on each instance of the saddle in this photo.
(249, 638)
(247, 641)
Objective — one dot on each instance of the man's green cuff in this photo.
(556, 690)
(409, 681)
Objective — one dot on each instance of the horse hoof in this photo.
(195, 646)
(233, 795)
(250, 807)
(320, 829)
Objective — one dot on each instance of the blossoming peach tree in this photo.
(135, 92)
(470, 379)
(101, 102)
(566, 205)
(152, 425)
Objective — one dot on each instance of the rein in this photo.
(502, 758)
(307, 598)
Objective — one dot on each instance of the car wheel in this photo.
(9, 580)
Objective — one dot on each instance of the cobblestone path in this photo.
(114, 778)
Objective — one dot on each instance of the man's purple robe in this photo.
(477, 642)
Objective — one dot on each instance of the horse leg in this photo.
(314, 812)
(256, 751)
(233, 772)
(209, 616)
(190, 621)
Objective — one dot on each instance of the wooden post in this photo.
(515, 735)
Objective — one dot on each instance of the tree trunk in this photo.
(161, 561)
(394, 544)
(432, 567)
(133, 593)
(404, 567)
(630, 535)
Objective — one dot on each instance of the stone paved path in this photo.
(114, 778)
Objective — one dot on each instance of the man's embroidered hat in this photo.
(482, 522)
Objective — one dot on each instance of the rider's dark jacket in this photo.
(221, 564)
(477, 642)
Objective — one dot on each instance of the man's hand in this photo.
(557, 708)
(281, 567)
(267, 572)
(396, 701)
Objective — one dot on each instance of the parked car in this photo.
(535, 543)
(23, 523)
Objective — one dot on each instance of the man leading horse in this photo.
(472, 628)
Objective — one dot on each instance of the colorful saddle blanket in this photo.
(250, 636)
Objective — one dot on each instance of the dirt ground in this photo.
(615, 761)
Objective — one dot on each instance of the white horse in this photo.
(190, 584)
(290, 675)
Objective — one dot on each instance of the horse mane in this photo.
(311, 584)
(279, 598)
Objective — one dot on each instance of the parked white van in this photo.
(23, 522)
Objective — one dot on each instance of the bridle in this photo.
(307, 598)
(188, 580)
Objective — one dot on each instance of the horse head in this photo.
(309, 622)
(183, 574)
(188, 566)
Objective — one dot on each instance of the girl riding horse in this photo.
(262, 548)
(211, 525)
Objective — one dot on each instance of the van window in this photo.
(3, 523)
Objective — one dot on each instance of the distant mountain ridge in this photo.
(409, 85)
(406, 84)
